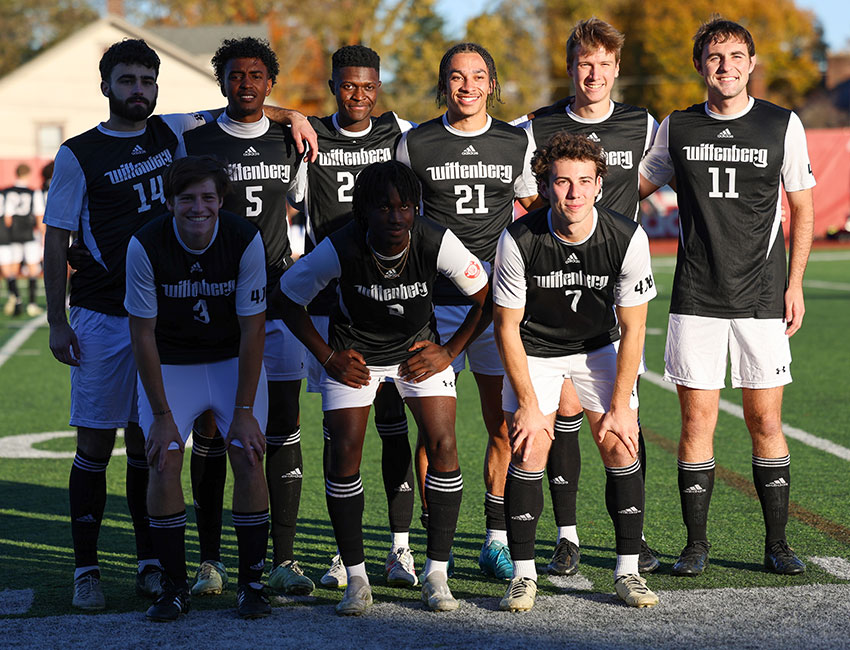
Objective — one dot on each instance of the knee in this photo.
(96, 443)
(764, 425)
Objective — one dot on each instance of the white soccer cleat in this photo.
(399, 568)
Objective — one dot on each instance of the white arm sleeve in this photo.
(140, 293)
(656, 166)
(651, 130)
(251, 282)
(635, 284)
(460, 266)
(311, 273)
(298, 190)
(401, 153)
(182, 122)
(509, 285)
(404, 125)
(526, 185)
(796, 169)
(67, 196)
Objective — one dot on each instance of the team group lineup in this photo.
(188, 316)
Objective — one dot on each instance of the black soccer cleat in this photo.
(149, 582)
(780, 558)
(647, 562)
(170, 605)
(251, 602)
(565, 559)
(693, 559)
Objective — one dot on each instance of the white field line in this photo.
(837, 566)
(735, 410)
(833, 286)
(13, 344)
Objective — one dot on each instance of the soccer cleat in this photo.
(399, 568)
(780, 558)
(34, 310)
(633, 591)
(210, 579)
(149, 582)
(170, 605)
(436, 593)
(520, 595)
(693, 559)
(356, 599)
(335, 577)
(288, 578)
(495, 560)
(11, 306)
(251, 602)
(564, 561)
(88, 594)
(647, 562)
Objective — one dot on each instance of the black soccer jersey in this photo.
(570, 289)
(469, 182)
(624, 134)
(196, 293)
(121, 180)
(731, 258)
(262, 165)
(19, 203)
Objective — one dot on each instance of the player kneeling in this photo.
(196, 297)
(382, 327)
(571, 287)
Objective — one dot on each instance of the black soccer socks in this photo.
(344, 496)
(252, 538)
(564, 468)
(443, 492)
(523, 505)
(168, 534)
(624, 499)
(284, 473)
(696, 481)
(209, 472)
(772, 478)
(87, 495)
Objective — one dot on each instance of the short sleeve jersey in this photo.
(19, 203)
(262, 164)
(625, 133)
(729, 174)
(198, 294)
(106, 185)
(569, 290)
(382, 317)
(469, 182)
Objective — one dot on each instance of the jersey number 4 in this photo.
(156, 193)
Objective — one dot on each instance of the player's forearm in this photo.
(632, 336)
(298, 321)
(251, 342)
(802, 231)
(56, 273)
(146, 354)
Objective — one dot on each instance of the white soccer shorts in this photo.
(339, 396)
(482, 353)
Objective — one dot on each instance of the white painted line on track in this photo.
(834, 286)
(11, 346)
(837, 566)
(15, 601)
(733, 409)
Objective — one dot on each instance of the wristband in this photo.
(243, 408)
(329, 358)
(158, 413)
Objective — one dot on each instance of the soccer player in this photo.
(22, 209)
(386, 262)
(262, 163)
(729, 158)
(625, 133)
(349, 140)
(107, 183)
(472, 167)
(196, 295)
(571, 287)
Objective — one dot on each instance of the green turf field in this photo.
(35, 536)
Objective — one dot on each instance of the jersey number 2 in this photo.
(469, 196)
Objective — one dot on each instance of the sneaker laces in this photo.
(205, 571)
(85, 585)
(562, 550)
(519, 587)
(646, 548)
(695, 548)
(292, 565)
(404, 557)
(780, 547)
(635, 583)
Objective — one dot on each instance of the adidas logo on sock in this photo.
(694, 489)
(780, 482)
(559, 480)
(86, 519)
(258, 566)
(196, 268)
(593, 138)
(631, 510)
(524, 517)
(725, 133)
(404, 487)
(138, 151)
(250, 151)
(469, 151)
(572, 259)
(296, 473)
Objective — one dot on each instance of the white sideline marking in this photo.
(21, 446)
(820, 284)
(15, 601)
(733, 409)
(11, 346)
(837, 566)
(575, 582)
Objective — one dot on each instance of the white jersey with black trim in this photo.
(106, 185)
(568, 290)
(730, 170)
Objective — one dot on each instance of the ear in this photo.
(543, 189)
(698, 66)
(332, 86)
(268, 87)
(169, 205)
(752, 63)
(221, 88)
(104, 88)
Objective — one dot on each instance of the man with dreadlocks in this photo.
(472, 167)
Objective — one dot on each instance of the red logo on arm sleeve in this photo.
(473, 270)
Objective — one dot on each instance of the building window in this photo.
(48, 139)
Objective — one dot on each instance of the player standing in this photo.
(262, 163)
(196, 295)
(21, 209)
(472, 167)
(730, 158)
(624, 132)
(571, 288)
(349, 140)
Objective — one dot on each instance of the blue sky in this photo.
(834, 15)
